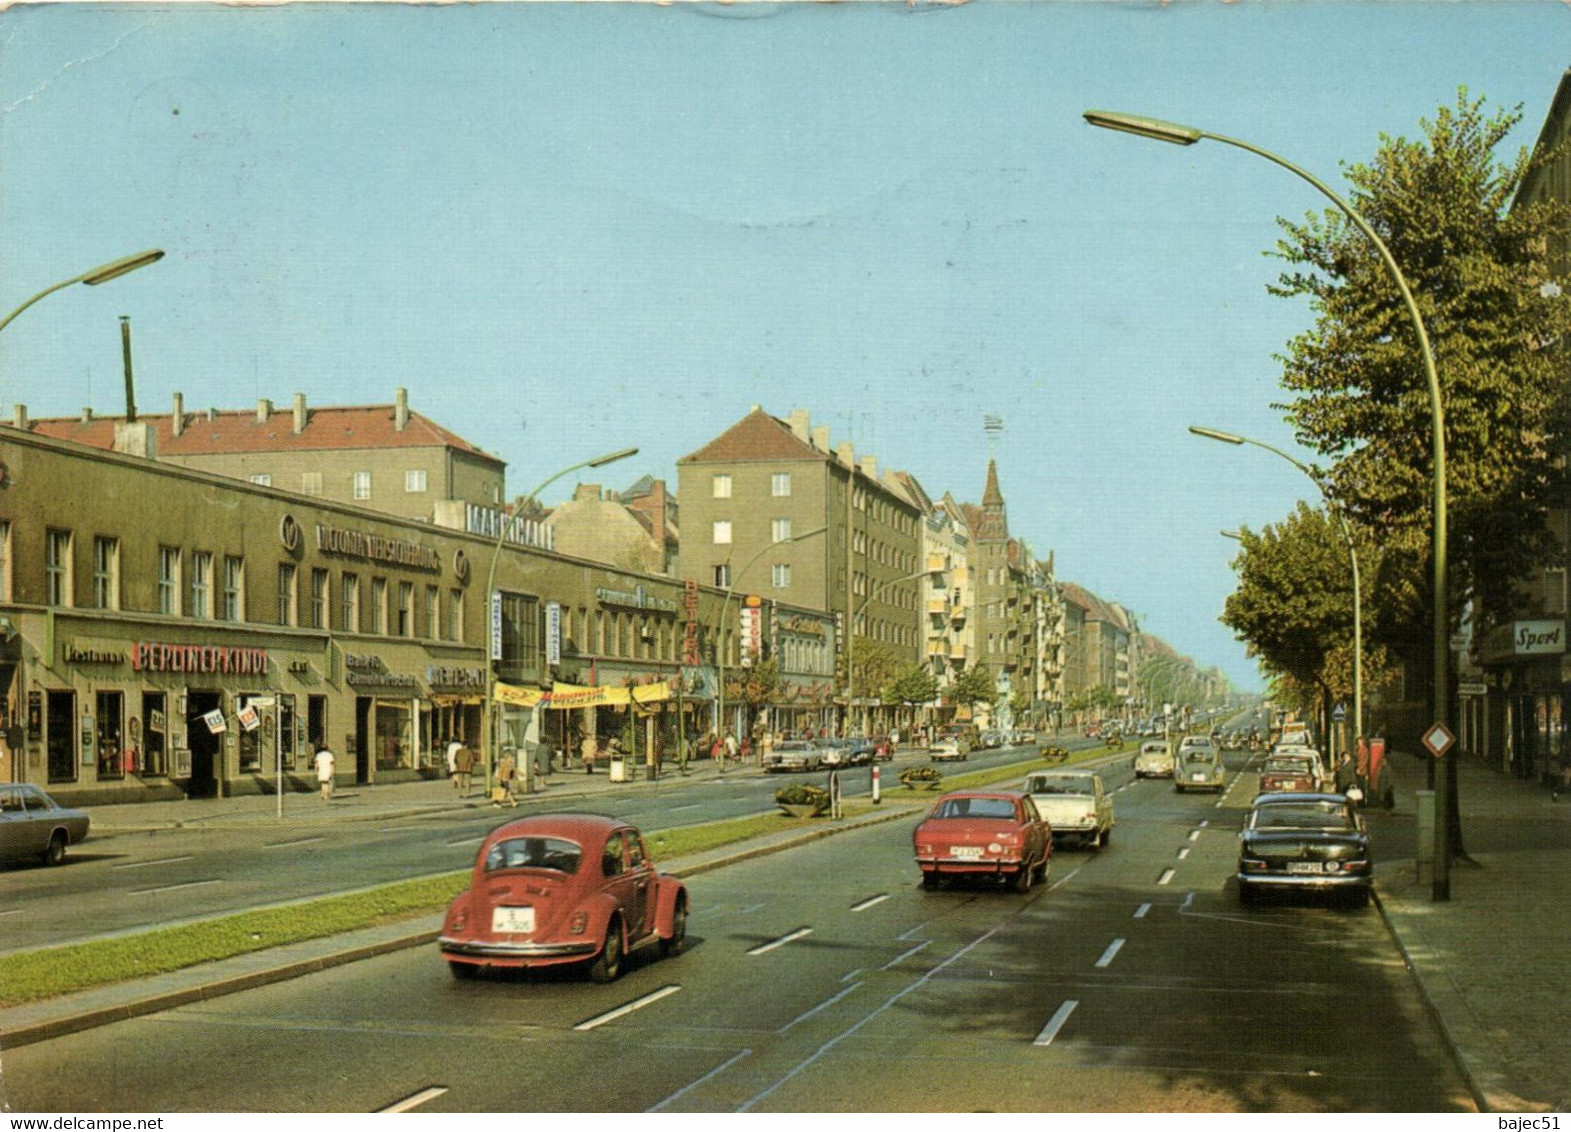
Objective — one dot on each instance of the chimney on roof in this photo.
(177, 419)
(801, 424)
(299, 413)
(586, 491)
(400, 409)
(264, 410)
(212, 413)
(20, 419)
(846, 454)
(821, 438)
(870, 467)
(87, 414)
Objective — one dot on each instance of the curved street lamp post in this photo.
(1159, 130)
(1352, 555)
(493, 615)
(103, 273)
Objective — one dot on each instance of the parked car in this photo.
(1199, 768)
(1304, 843)
(947, 749)
(32, 824)
(1293, 773)
(990, 740)
(1074, 803)
(984, 833)
(1155, 760)
(794, 754)
(834, 753)
(562, 888)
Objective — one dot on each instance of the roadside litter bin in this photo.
(618, 770)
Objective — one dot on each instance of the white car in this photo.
(1074, 803)
(1155, 760)
(793, 754)
(946, 750)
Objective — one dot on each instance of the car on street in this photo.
(1155, 760)
(947, 749)
(990, 741)
(1074, 803)
(1196, 743)
(793, 754)
(984, 833)
(1307, 843)
(1199, 768)
(834, 753)
(34, 826)
(562, 888)
(1294, 773)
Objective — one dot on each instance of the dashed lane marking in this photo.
(1194, 835)
(751, 908)
(287, 844)
(1140, 912)
(905, 955)
(781, 942)
(416, 1100)
(1056, 1023)
(1112, 950)
(628, 1008)
(173, 887)
(468, 840)
(150, 864)
(1166, 877)
(1182, 853)
(869, 902)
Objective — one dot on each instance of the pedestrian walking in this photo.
(452, 760)
(730, 746)
(464, 761)
(589, 748)
(324, 772)
(506, 777)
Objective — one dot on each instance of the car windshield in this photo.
(1288, 765)
(1301, 815)
(1154, 749)
(534, 853)
(1058, 784)
(975, 808)
(794, 745)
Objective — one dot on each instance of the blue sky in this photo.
(571, 228)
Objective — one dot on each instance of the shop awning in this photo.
(564, 697)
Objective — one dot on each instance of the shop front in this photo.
(385, 745)
(1527, 680)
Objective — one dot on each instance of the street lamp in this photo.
(1187, 135)
(725, 606)
(103, 273)
(494, 614)
(851, 646)
(1352, 554)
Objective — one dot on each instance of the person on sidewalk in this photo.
(589, 748)
(453, 746)
(464, 760)
(730, 746)
(506, 777)
(324, 772)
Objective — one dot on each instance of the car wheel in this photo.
(1023, 877)
(462, 971)
(930, 879)
(56, 851)
(1247, 896)
(1041, 870)
(1107, 835)
(1358, 898)
(607, 966)
(673, 944)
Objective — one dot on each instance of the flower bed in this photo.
(926, 776)
(801, 800)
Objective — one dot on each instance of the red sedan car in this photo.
(563, 888)
(984, 833)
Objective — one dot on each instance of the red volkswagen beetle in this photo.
(984, 833)
(563, 888)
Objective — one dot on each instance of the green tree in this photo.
(912, 685)
(975, 686)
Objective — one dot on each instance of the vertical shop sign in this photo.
(496, 625)
(690, 606)
(553, 632)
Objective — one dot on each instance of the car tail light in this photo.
(924, 850)
(578, 923)
(1251, 865)
(459, 919)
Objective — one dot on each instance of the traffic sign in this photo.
(1438, 739)
(1339, 715)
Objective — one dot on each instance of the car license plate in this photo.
(512, 919)
(1197, 776)
(1304, 867)
(966, 852)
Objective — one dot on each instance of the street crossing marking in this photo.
(415, 1101)
(781, 942)
(628, 1008)
(869, 902)
(1112, 950)
(150, 864)
(1056, 1023)
(1140, 912)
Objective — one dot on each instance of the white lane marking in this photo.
(1112, 950)
(150, 864)
(828, 1002)
(905, 955)
(1167, 877)
(287, 844)
(1140, 912)
(1204, 822)
(415, 1101)
(752, 907)
(1056, 1023)
(1064, 880)
(1188, 899)
(679, 809)
(781, 942)
(468, 840)
(1194, 835)
(869, 902)
(1182, 853)
(13, 912)
(628, 1008)
(851, 974)
(173, 887)
(688, 1088)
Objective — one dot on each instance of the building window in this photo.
(433, 614)
(780, 484)
(310, 483)
(318, 599)
(379, 605)
(288, 599)
(169, 580)
(404, 626)
(723, 575)
(262, 478)
(349, 604)
(202, 584)
(414, 480)
(780, 530)
(234, 588)
(722, 532)
(5, 560)
(455, 616)
(106, 572)
(722, 487)
(362, 486)
(57, 567)
(780, 574)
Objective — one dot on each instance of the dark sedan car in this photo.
(32, 824)
(1308, 843)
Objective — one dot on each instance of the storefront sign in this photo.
(363, 669)
(553, 632)
(565, 697)
(248, 718)
(445, 676)
(640, 598)
(147, 656)
(690, 638)
(496, 625)
(490, 522)
(76, 655)
(215, 722)
(1539, 638)
(752, 634)
(806, 626)
(376, 548)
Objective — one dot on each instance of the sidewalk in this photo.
(1490, 961)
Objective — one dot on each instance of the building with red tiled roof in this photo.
(385, 457)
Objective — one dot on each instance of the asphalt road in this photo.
(826, 979)
(131, 881)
